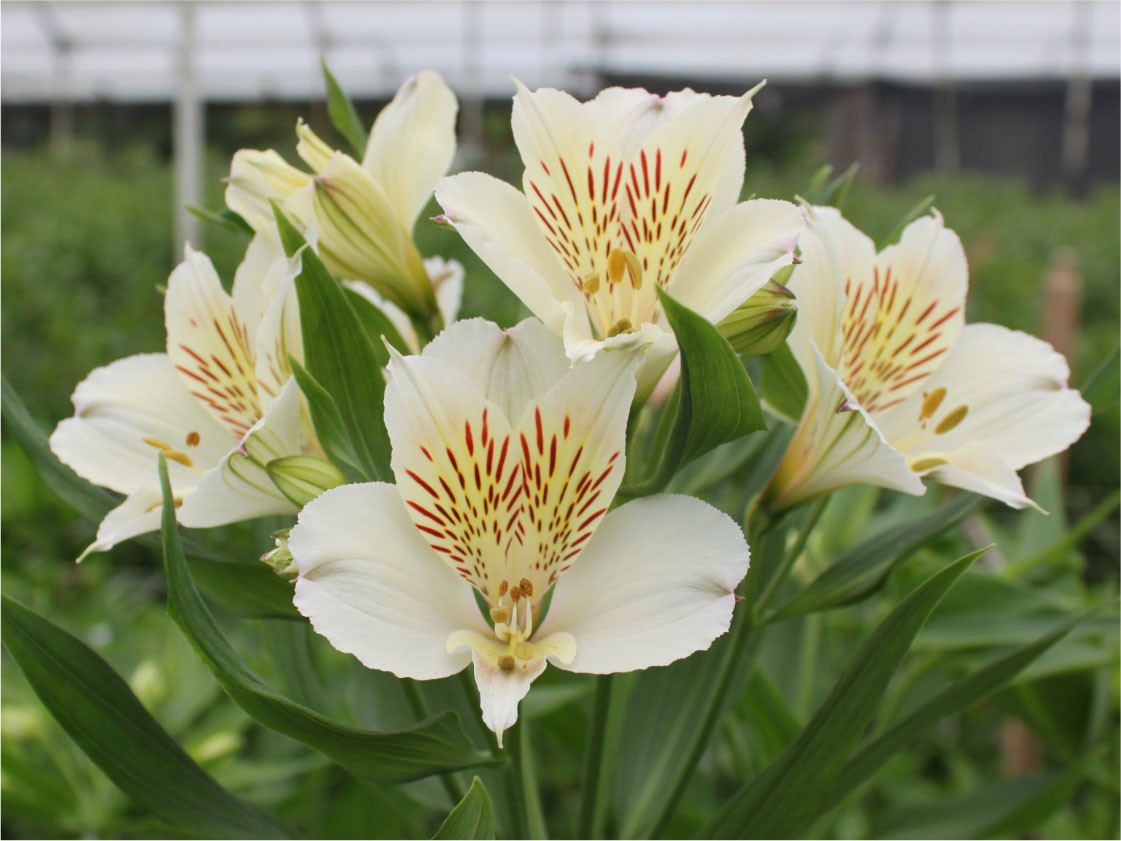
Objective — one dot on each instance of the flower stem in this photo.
(525, 802)
(420, 710)
(746, 636)
(594, 760)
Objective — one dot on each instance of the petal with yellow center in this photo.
(209, 344)
(902, 318)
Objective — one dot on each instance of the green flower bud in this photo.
(280, 560)
(303, 478)
(762, 323)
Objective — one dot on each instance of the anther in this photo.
(506, 663)
(500, 615)
(503, 587)
(526, 587)
(523, 650)
(927, 464)
(515, 593)
(951, 420)
(931, 401)
(193, 439)
(620, 326)
(591, 284)
(623, 264)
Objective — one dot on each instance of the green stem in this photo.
(420, 710)
(594, 759)
(745, 641)
(525, 803)
(789, 558)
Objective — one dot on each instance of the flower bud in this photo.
(303, 478)
(255, 177)
(361, 237)
(280, 559)
(762, 323)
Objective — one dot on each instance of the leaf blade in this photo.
(473, 816)
(102, 715)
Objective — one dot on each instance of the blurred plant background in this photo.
(87, 246)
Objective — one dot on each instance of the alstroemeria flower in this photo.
(220, 404)
(507, 460)
(361, 215)
(624, 194)
(900, 387)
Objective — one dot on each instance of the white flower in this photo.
(506, 461)
(220, 404)
(622, 195)
(361, 215)
(900, 387)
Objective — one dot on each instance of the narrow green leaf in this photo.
(89, 500)
(102, 715)
(342, 360)
(433, 746)
(777, 801)
(224, 218)
(329, 426)
(473, 817)
(1070, 538)
(917, 209)
(245, 589)
(342, 113)
(377, 326)
(783, 384)
(717, 404)
(1102, 389)
(955, 698)
(862, 569)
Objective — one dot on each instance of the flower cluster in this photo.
(501, 543)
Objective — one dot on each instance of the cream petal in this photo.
(446, 277)
(1000, 389)
(371, 585)
(510, 367)
(239, 488)
(397, 316)
(255, 177)
(973, 469)
(138, 514)
(412, 143)
(654, 584)
(501, 691)
(124, 412)
(902, 320)
(496, 221)
(836, 444)
(735, 254)
(279, 334)
(832, 250)
(209, 344)
(457, 466)
(572, 443)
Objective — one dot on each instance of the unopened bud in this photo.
(362, 238)
(280, 560)
(303, 478)
(762, 323)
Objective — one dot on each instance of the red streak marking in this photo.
(567, 424)
(427, 454)
(540, 432)
(190, 374)
(425, 512)
(469, 438)
(432, 532)
(606, 178)
(545, 168)
(618, 178)
(926, 312)
(591, 519)
(451, 458)
(502, 456)
(645, 173)
(684, 154)
(427, 487)
(944, 318)
(658, 170)
(568, 178)
(932, 338)
(541, 216)
(688, 189)
(553, 455)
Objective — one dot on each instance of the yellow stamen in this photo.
(591, 284)
(526, 587)
(623, 264)
(620, 326)
(502, 588)
(523, 650)
(927, 464)
(930, 402)
(170, 452)
(500, 615)
(193, 439)
(951, 420)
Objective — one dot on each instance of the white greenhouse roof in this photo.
(141, 50)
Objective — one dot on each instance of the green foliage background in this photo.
(85, 254)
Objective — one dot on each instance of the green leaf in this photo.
(102, 715)
(823, 191)
(329, 426)
(783, 384)
(433, 746)
(343, 361)
(776, 802)
(89, 500)
(1102, 389)
(1070, 538)
(224, 218)
(377, 325)
(473, 817)
(862, 569)
(717, 404)
(342, 113)
(917, 209)
(245, 589)
(956, 697)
